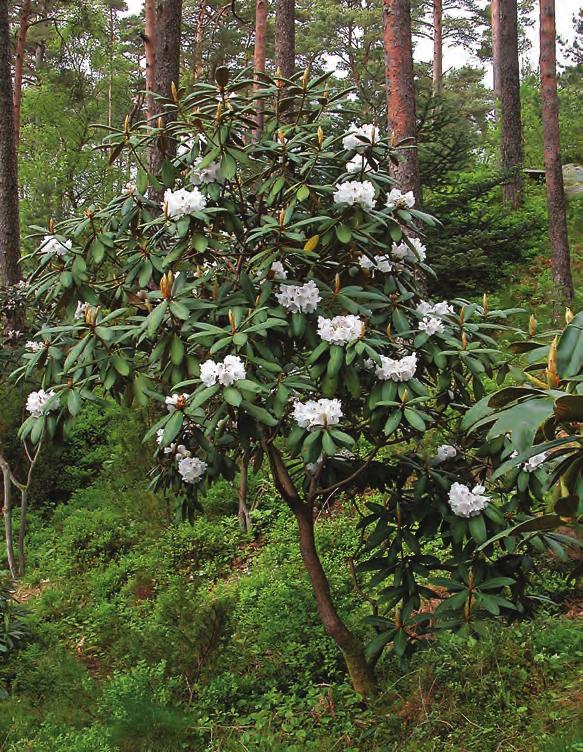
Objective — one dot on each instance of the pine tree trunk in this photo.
(511, 125)
(495, 27)
(9, 220)
(259, 56)
(166, 72)
(285, 37)
(400, 86)
(561, 261)
(199, 39)
(150, 52)
(19, 66)
(437, 47)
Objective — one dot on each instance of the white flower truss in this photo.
(446, 452)
(317, 413)
(377, 263)
(434, 309)
(228, 371)
(402, 252)
(80, 310)
(54, 247)
(176, 402)
(191, 469)
(360, 137)
(392, 369)
(33, 346)
(340, 330)
(299, 298)
(182, 202)
(41, 403)
(466, 503)
(398, 200)
(353, 192)
(431, 325)
(209, 174)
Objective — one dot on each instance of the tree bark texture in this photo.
(19, 66)
(495, 28)
(259, 56)
(400, 86)
(9, 219)
(560, 255)
(437, 47)
(285, 37)
(510, 113)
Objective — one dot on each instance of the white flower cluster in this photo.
(37, 403)
(446, 452)
(358, 164)
(228, 371)
(402, 252)
(377, 263)
(209, 174)
(353, 192)
(278, 271)
(299, 298)
(176, 401)
(532, 463)
(53, 246)
(431, 325)
(398, 200)
(434, 309)
(317, 413)
(401, 369)
(360, 137)
(33, 346)
(191, 469)
(341, 329)
(182, 202)
(80, 310)
(185, 147)
(178, 450)
(466, 503)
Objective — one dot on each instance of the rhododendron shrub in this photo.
(268, 303)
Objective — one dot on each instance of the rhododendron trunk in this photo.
(9, 219)
(561, 260)
(400, 85)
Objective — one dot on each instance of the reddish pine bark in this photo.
(285, 37)
(437, 46)
(150, 52)
(19, 66)
(9, 220)
(495, 21)
(199, 39)
(400, 86)
(560, 255)
(509, 86)
(259, 55)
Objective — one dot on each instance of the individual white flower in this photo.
(377, 263)
(358, 164)
(359, 138)
(341, 329)
(403, 252)
(278, 271)
(182, 202)
(54, 247)
(209, 174)
(39, 403)
(130, 188)
(398, 200)
(532, 463)
(227, 372)
(352, 96)
(434, 309)
(191, 469)
(353, 192)
(33, 346)
(299, 298)
(446, 452)
(185, 147)
(466, 503)
(180, 452)
(176, 402)
(317, 413)
(430, 325)
(392, 369)
(80, 310)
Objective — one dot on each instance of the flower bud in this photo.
(569, 316)
(485, 304)
(462, 315)
(52, 226)
(126, 125)
(320, 136)
(552, 373)
(532, 325)
(160, 123)
(388, 330)
(336, 284)
(281, 217)
(174, 92)
(405, 397)
(464, 341)
(232, 322)
(166, 285)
